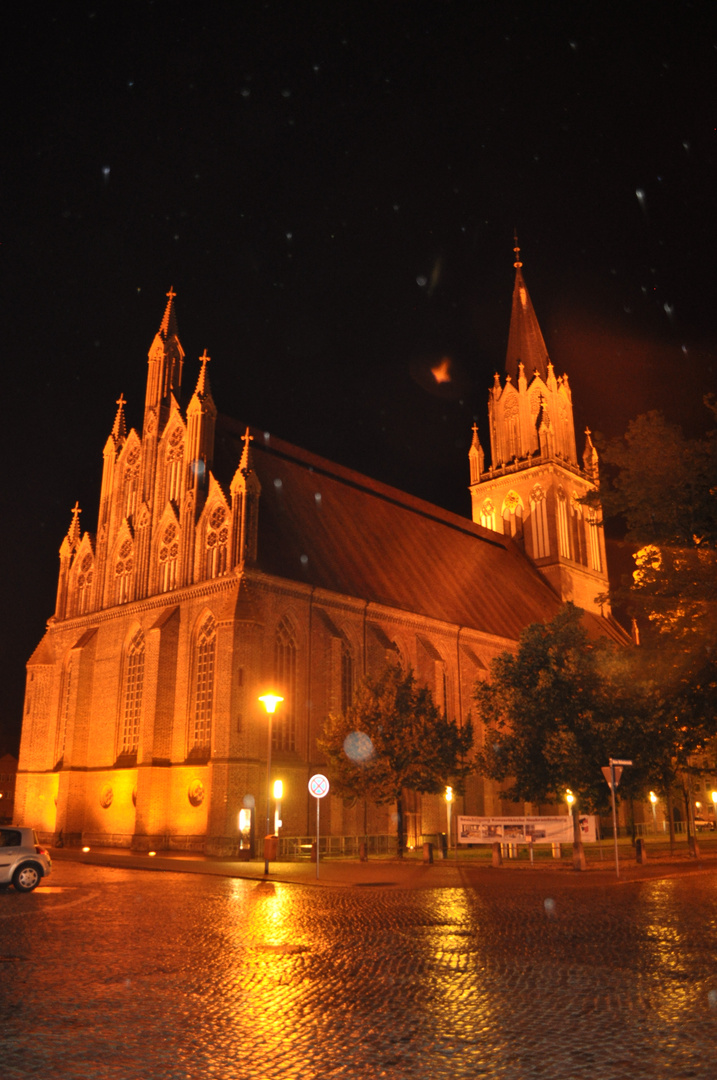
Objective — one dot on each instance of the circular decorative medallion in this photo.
(217, 518)
(196, 793)
(106, 796)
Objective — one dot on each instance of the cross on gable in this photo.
(204, 358)
(247, 438)
(171, 294)
(76, 509)
(121, 401)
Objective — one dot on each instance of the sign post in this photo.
(318, 787)
(612, 774)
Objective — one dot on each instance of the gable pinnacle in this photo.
(73, 533)
(246, 463)
(119, 428)
(203, 380)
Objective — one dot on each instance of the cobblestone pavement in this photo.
(118, 974)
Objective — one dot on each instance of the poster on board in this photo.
(524, 830)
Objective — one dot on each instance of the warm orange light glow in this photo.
(270, 701)
(449, 794)
(570, 798)
(151, 853)
(85, 849)
(278, 789)
(442, 371)
(653, 798)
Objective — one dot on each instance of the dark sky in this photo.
(332, 191)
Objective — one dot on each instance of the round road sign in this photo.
(318, 786)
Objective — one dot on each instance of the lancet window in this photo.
(205, 662)
(594, 541)
(124, 569)
(487, 515)
(84, 584)
(175, 461)
(131, 482)
(132, 696)
(563, 526)
(217, 543)
(512, 514)
(347, 675)
(284, 729)
(168, 557)
(539, 523)
(65, 704)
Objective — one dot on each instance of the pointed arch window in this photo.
(284, 729)
(539, 523)
(168, 556)
(594, 541)
(512, 440)
(84, 584)
(131, 482)
(347, 675)
(124, 569)
(65, 705)
(132, 695)
(217, 543)
(563, 526)
(513, 514)
(204, 666)
(175, 461)
(487, 515)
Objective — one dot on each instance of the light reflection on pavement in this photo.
(117, 973)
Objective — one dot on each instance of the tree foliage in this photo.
(555, 712)
(412, 744)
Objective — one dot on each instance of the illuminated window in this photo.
(131, 482)
(84, 584)
(132, 704)
(487, 515)
(563, 526)
(539, 523)
(513, 514)
(65, 699)
(347, 675)
(175, 461)
(123, 572)
(204, 683)
(217, 543)
(594, 541)
(510, 416)
(168, 556)
(284, 729)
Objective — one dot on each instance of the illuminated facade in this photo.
(225, 563)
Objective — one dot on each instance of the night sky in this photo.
(332, 189)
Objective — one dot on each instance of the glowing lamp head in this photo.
(449, 794)
(270, 701)
(653, 798)
(570, 798)
(278, 789)
(714, 797)
(85, 849)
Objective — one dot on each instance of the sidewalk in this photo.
(377, 872)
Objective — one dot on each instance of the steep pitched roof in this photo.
(333, 528)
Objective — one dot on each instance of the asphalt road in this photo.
(120, 974)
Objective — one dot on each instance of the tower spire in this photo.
(119, 428)
(168, 326)
(525, 340)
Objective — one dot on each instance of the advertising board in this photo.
(524, 830)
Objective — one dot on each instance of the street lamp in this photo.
(449, 800)
(270, 702)
(569, 798)
(653, 800)
(278, 792)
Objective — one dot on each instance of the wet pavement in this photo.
(112, 972)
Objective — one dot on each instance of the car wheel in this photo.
(27, 877)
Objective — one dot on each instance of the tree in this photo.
(393, 737)
(664, 485)
(555, 712)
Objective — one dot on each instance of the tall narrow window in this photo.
(539, 523)
(284, 729)
(594, 541)
(204, 683)
(64, 719)
(217, 543)
(487, 515)
(131, 482)
(133, 685)
(84, 585)
(123, 572)
(563, 526)
(347, 675)
(175, 461)
(168, 555)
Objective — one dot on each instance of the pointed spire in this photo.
(476, 457)
(590, 459)
(246, 464)
(119, 428)
(525, 340)
(168, 326)
(73, 533)
(203, 381)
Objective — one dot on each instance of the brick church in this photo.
(226, 562)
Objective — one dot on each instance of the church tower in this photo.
(534, 487)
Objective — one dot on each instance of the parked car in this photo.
(23, 861)
(703, 823)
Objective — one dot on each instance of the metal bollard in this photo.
(428, 853)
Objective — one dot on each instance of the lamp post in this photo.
(270, 702)
(449, 800)
(653, 801)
